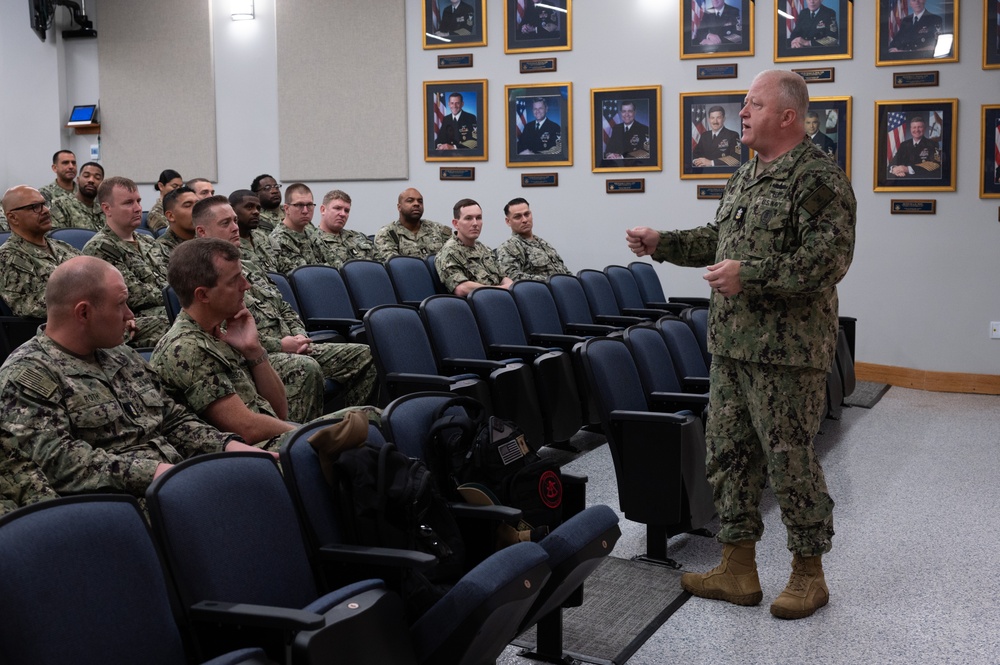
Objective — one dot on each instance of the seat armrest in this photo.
(405, 383)
(326, 337)
(692, 301)
(479, 367)
(506, 514)
(564, 342)
(594, 329)
(647, 416)
(645, 312)
(663, 402)
(669, 307)
(619, 321)
(342, 326)
(695, 384)
(257, 616)
(377, 556)
(526, 353)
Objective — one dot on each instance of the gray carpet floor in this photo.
(913, 571)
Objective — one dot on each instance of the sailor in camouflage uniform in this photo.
(268, 191)
(28, 258)
(524, 255)
(295, 240)
(178, 205)
(212, 357)
(168, 181)
(135, 255)
(410, 235)
(81, 211)
(88, 411)
(64, 166)
(341, 244)
(255, 244)
(783, 237)
(301, 363)
(465, 264)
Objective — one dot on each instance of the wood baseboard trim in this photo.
(942, 382)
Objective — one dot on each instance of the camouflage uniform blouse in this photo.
(164, 245)
(257, 249)
(345, 246)
(25, 270)
(792, 229)
(457, 263)
(198, 369)
(270, 219)
(95, 425)
(156, 220)
(53, 191)
(535, 259)
(293, 249)
(68, 212)
(396, 240)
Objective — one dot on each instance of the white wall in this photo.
(920, 285)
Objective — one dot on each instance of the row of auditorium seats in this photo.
(246, 565)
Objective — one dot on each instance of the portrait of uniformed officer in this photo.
(718, 145)
(816, 134)
(457, 18)
(918, 31)
(917, 156)
(458, 129)
(541, 135)
(720, 24)
(629, 138)
(816, 25)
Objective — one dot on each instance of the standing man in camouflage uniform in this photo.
(178, 206)
(88, 411)
(340, 245)
(464, 264)
(212, 357)
(254, 242)
(411, 234)
(301, 363)
(135, 255)
(524, 255)
(269, 192)
(81, 211)
(782, 238)
(64, 166)
(28, 258)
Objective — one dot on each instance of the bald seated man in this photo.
(411, 234)
(86, 409)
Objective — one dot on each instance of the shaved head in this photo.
(12, 197)
(78, 279)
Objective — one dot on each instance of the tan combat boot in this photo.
(806, 591)
(734, 580)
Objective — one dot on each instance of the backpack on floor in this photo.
(472, 454)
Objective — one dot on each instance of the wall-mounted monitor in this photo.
(83, 114)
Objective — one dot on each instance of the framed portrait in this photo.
(454, 23)
(532, 25)
(455, 128)
(916, 32)
(828, 124)
(915, 144)
(716, 28)
(989, 176)
(991, 34)
(540, 124)
(625, 128)
(710, 134)
(813, 30)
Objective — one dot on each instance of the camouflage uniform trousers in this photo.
(351, 366)
(761, 426)
(303, 379)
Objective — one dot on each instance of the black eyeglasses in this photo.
(267, 188)
(303, 206)
(35, 207)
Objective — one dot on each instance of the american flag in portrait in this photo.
(435, 16)
(898, 10)
(697, 11)
(792, 8)
(520, 115)
(698, 116)
(440, 111)
(896, 132)
(610, 117)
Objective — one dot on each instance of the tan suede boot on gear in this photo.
(806, 591)
(734, 580)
